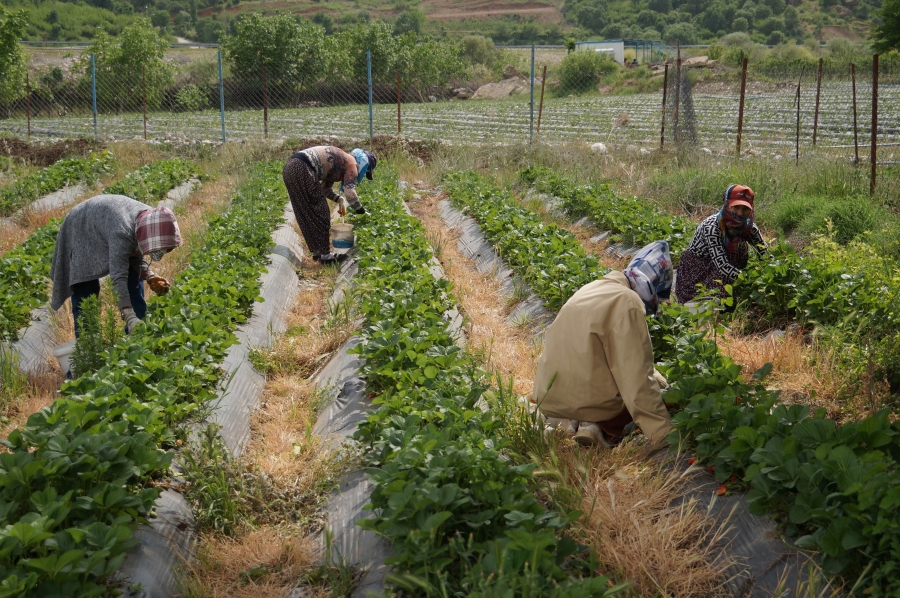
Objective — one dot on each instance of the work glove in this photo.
(131, 319)
(158, 284)
(360, 210)
(342, 210)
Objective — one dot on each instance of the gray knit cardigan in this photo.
(97, 238)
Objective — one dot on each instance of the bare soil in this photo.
(45, 155)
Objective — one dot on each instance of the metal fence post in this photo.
(818, 93)
(677, 91)
(398, 103)
(874, 157)
(144, 97)
(265, 91)
(541, 104)
(741, 108)
(369, 68)
(662, 126)
(94, 93)
(221, 96)
(531, 103)
(28, 103)
(797, 142)
(855, 127)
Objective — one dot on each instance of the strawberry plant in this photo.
(68, 171)
(23, 278)
(548, 257)
(74, 479)
(632, 221)
(151, 182)
(462, 519)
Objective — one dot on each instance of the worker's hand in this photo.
(342, 210)
(131, 319)
(159, 285)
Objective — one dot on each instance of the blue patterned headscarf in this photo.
(365, 164)
(650, 274)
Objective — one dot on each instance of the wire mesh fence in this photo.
(193, 96)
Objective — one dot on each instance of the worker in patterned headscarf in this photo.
(720, 247)
(111, 235)
(309, 176)
(596, 373)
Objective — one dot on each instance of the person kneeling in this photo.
(597, 365)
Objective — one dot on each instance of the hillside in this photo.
(506, 21)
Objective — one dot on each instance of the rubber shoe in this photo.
(332, 258)
(572, 428)
(589, 434)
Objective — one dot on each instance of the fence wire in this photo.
(194, 98)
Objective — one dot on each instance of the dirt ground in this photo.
(45, 155)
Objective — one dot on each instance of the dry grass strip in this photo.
(279, 549)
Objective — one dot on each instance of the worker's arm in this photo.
(348, 186)
(629, 355)
(757, 240)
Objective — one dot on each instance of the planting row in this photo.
(68, 171)
(546, 256)
(631, 220)
(462, 519)
(835, 488)
(847, 292)
(151, 182)
(24, 270)
(76, 478)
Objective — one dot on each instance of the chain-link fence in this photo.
(192, 95)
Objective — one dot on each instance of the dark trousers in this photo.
(83, 290)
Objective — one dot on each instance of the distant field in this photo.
(769, 120)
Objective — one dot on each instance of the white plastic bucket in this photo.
(342, 235)
(63, 354)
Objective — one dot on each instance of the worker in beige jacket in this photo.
(597, 365)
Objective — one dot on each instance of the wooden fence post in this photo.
(265, 91)
(818, 93)
(874, 157)
(541, 105)
(741, 108)
(662, 127)
(398, 103)
(855, 129)
(28, 103)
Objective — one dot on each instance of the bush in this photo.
(190, 98)
(775, 38)
(685, 33)
(580, 71)
(478, 49)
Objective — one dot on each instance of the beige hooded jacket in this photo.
(599, 351)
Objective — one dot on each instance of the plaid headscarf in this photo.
(157, 230)
(650, 274)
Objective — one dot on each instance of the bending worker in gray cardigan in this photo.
(110, 235)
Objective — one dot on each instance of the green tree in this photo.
(582, 70)
(376, 37)
(12, 60)
(412, 20)
(681, 32)
(660, 6)
(791, 20)
(119, 64)
(159, 18)
(740, 24)
(886, 36)
(293, 52)
(478, 49)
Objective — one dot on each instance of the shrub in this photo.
(478, 49)
(99, 332)
(581, 70)
(191, 98)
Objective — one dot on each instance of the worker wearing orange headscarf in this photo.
(720, 247)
